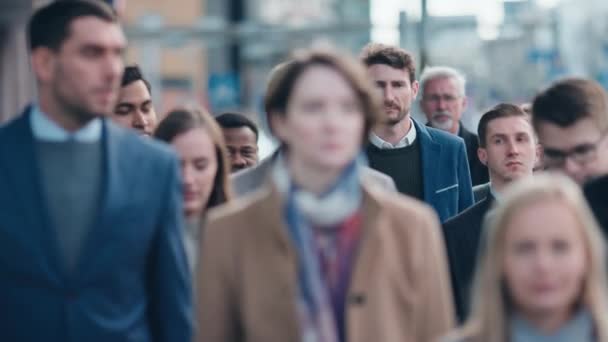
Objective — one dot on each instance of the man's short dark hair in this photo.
(502, 110)
(235, 120)
(569, 100)
(50, 25)
(132, 74)
(376, 53)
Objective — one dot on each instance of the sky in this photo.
(385, 14)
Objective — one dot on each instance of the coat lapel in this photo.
(24, 172)
(365, 262)
(281, 258)
(430, 153)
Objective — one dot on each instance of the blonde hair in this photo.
(488, 321)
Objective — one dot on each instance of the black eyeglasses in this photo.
(581, 154)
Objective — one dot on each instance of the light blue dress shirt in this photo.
(44, 129)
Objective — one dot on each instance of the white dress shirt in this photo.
(407, 140)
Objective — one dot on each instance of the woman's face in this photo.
(545, 259)
(199, 167)
(324, 121)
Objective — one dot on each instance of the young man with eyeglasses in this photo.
(571, 120)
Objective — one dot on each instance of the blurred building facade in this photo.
(217, 53)
(16, 81)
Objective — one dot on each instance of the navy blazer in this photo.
(479, 172)
(131, 282)
(596, 193)
(463, 237)
(445, 171)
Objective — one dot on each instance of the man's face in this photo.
(134, 108)
(396, 90)
(242, 147)
(578, 150)
(443, 104)
(83, 76)
(511, 150)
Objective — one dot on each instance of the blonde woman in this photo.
(542, 273)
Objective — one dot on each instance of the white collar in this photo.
(45, 129)
(407, 140)
(497, 195)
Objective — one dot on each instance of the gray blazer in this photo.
(248, 180)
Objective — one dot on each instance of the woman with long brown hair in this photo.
(199, 143)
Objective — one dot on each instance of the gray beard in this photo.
(446, 125)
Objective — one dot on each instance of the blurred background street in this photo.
(218, 53)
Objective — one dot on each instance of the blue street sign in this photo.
(224, 91)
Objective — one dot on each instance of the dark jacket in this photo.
(481, 191)
(131, 282)
(479, 172)
(463, 235)
(596, 192)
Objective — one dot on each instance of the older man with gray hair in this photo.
(443, 101)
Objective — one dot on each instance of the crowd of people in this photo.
(118, 223)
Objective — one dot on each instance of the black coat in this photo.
(481, 191)
(597, 195)
(479, 172)
(463, 234)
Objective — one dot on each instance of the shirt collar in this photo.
(407, 140)
(45, 129)
(494, 193)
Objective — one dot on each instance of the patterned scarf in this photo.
(303, 211)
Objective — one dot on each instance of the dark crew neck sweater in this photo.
(403, 164)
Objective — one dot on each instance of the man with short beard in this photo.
(443, 101)
(425, 163)
(90, 214)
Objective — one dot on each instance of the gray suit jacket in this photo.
(248, 180)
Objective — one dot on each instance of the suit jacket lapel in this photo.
(114, 186)
(24, 172)
(430, 155)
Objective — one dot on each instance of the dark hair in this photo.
(132, 74)
(501, 110)
(50, 25)
(376, 53)
(180, 121)
(569, 100)
(281, 86)
(235, 120)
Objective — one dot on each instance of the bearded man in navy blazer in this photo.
(426, 163)
(90, 214)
